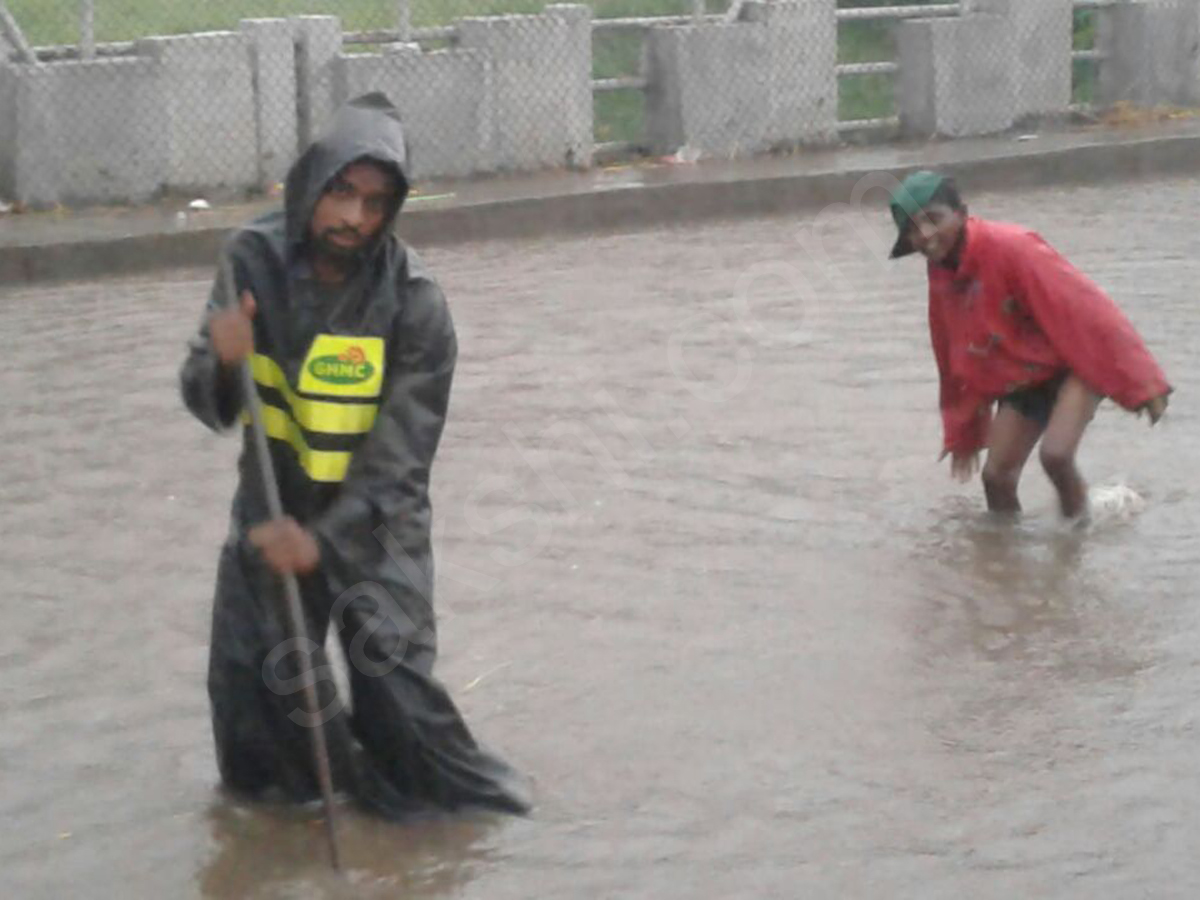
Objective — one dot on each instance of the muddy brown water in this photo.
(700, 576)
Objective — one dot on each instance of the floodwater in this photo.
(701, 578)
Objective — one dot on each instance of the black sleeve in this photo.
(211, 390)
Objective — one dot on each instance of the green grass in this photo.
(865, 96)
(1084, 71)
(57, 21)
(620, 115)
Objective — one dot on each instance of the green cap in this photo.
(910, 198)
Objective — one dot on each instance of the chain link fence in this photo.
(125, 100)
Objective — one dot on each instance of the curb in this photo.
(625, 208)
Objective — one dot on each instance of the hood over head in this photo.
(365, 128)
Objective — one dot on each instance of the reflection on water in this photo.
(1026, 584)
(264, 853)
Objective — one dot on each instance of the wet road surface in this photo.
(700, 576)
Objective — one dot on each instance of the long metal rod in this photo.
(291, 587)
(11, 30)
(632, 83)
(868, 124)
(929, 10)
(871, 68)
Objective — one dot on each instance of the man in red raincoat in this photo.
(1014, 323)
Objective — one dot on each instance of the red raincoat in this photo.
(1014, 314)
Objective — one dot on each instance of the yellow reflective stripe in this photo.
(321, 465)
(314, 415)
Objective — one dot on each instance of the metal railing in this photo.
(884, 13)
(1085, 61)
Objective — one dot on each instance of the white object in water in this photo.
(1114, 501)
(199, 204)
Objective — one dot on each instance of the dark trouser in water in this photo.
(403, 749)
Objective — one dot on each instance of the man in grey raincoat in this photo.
(353, 350)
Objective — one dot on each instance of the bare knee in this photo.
(1057, 462)
(1000, 479)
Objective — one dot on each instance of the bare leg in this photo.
(1073, 411)
(1010, 441)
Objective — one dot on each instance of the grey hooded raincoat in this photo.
(355, 394)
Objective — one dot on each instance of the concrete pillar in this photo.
(87, 132)
(956, 76)
(707, 89)
(8, 134)
(1151, 53)
(539, 66)
(579, 116)
(444, 100)
(1042, 37)
(273, 63)
(37, 153)
(801, 59)
(318, 45)
(208, 95)
(764, 81)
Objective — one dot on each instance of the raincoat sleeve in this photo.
(965, 417)
(1085, 327)
(387, 485)
(211, 390)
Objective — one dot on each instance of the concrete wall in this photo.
(207, 89)
(444, 99)
(516, 95)
(955, 76)
(318, 45)
(181, 115)
(273, 68)
(704, 91)
(801, 79)
(729, 89)
(1041, 61)
(1152, 54)
(540, 86)
(88, 132)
